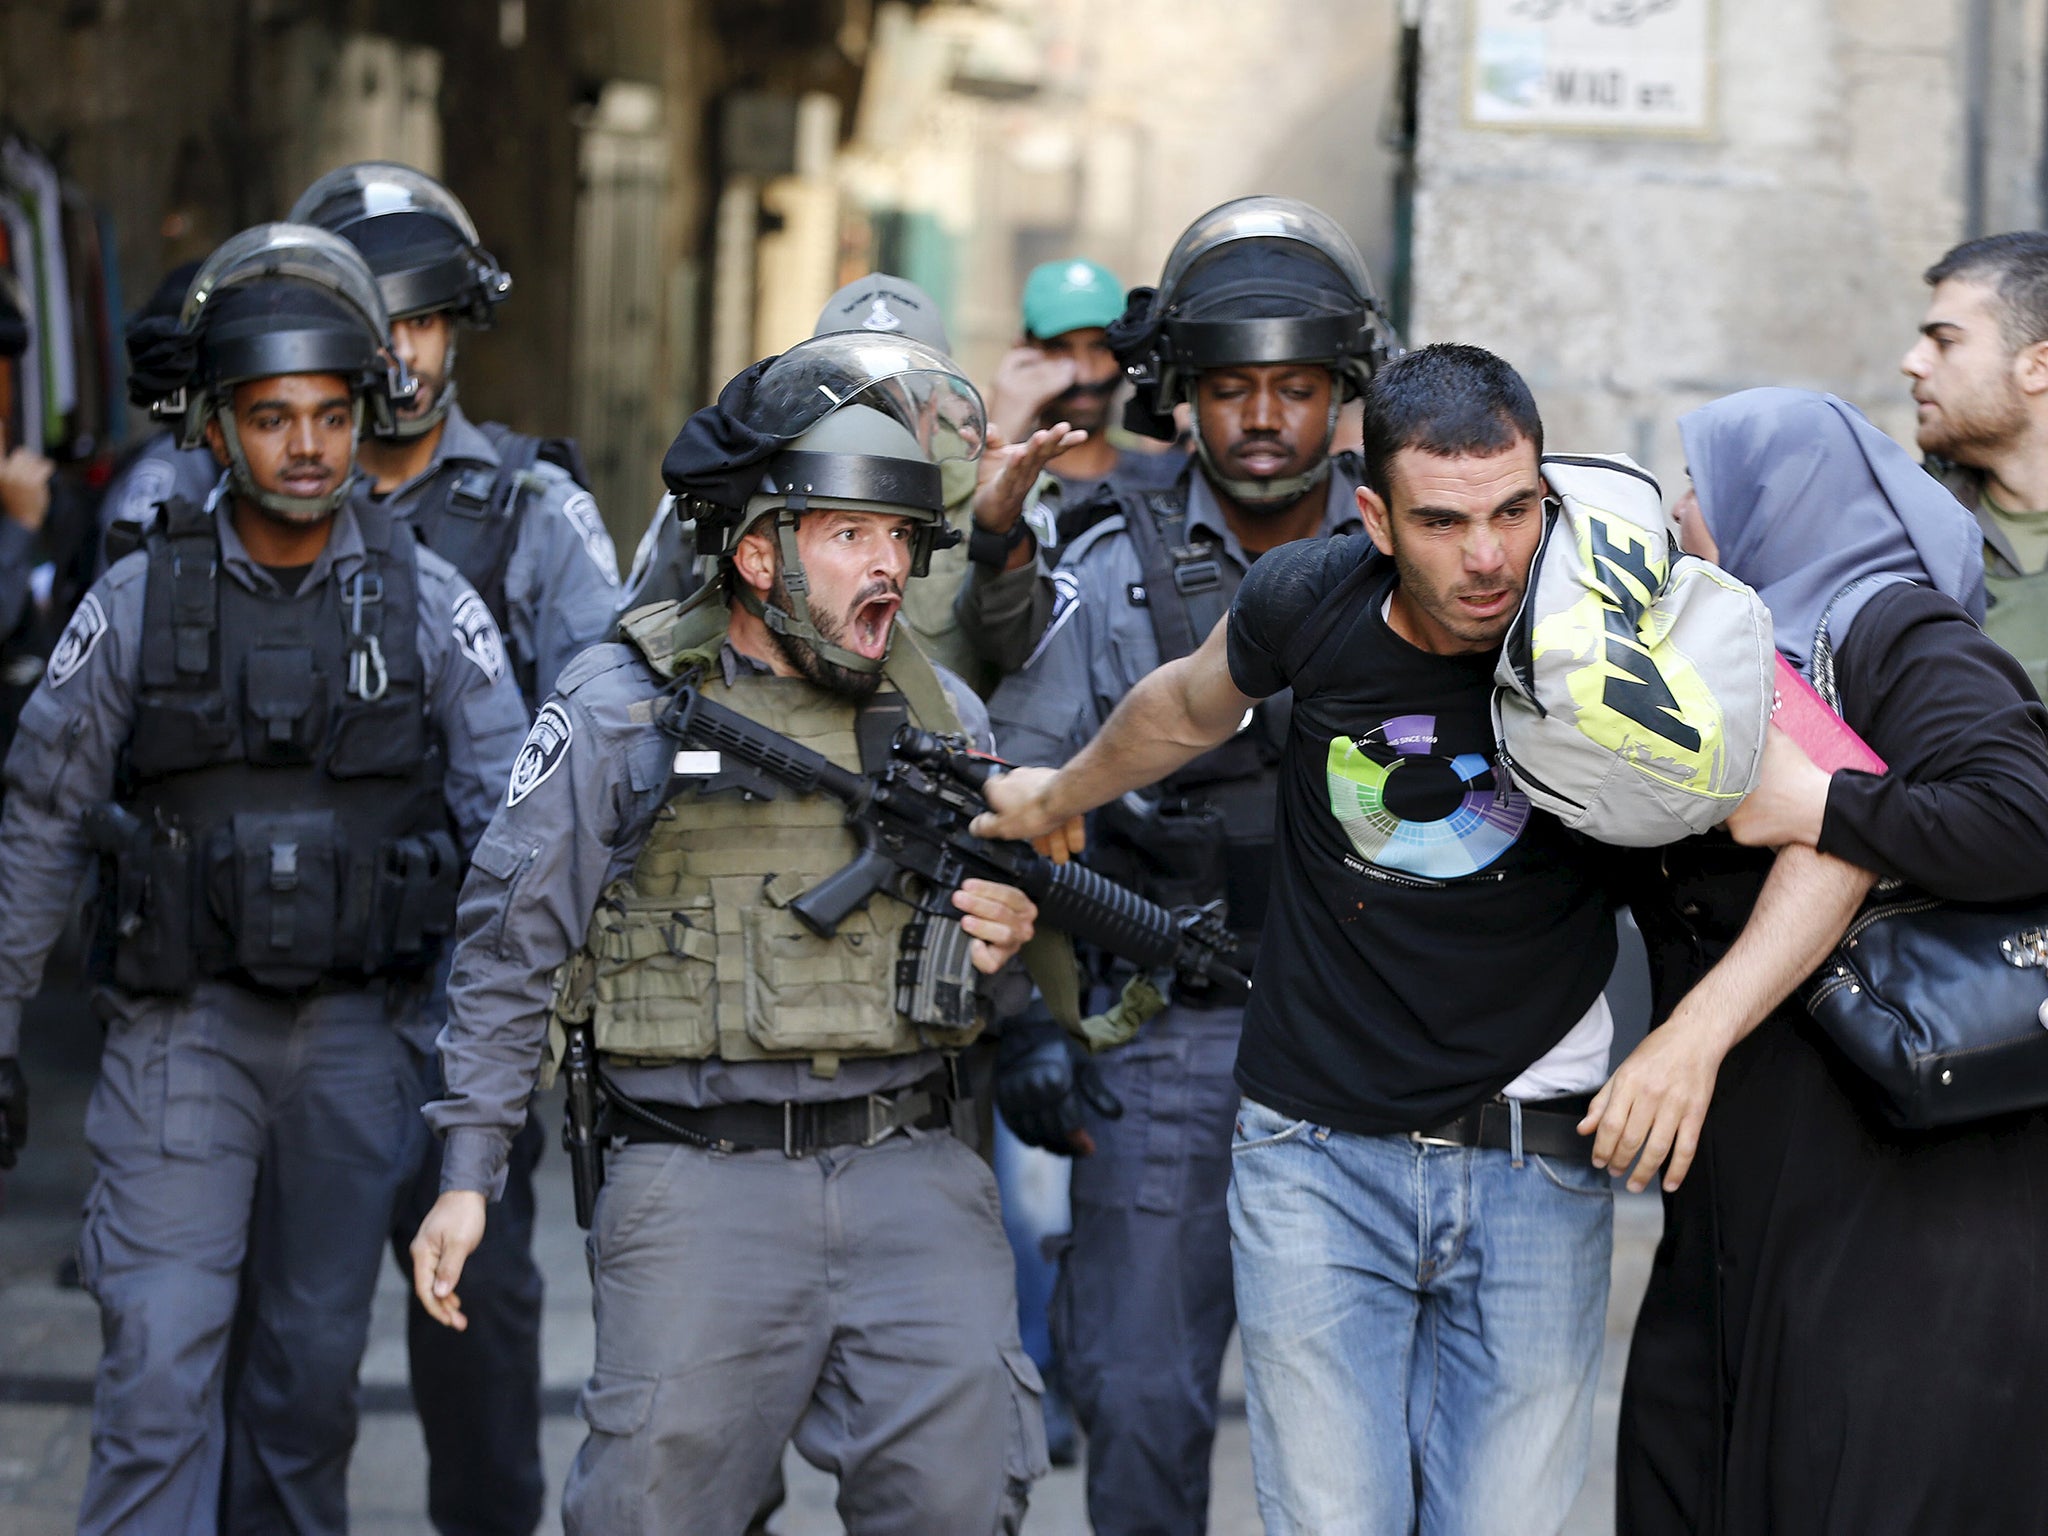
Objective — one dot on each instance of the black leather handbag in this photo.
(1943, 1006)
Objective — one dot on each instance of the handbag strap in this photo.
(1824, 641)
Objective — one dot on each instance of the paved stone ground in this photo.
(49, 1339)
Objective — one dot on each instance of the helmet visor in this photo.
(1264, 218)
(374, 188)
(905, 380)
(289, 250)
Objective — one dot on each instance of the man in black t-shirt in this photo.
(1420, 1238)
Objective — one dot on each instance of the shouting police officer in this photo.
(506, 511)
(789, 1243)
(1264, 323)
(279, 726)
(992, 489)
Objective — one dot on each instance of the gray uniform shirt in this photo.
(1098, 643)
(1001, 614)
(562, 579)
(594, 772)
(159, 472)
(77, 721)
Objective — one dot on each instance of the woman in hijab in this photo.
(1846, 1329)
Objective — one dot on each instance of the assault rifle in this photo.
(911, 819)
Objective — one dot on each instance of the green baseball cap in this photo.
(1070, 295)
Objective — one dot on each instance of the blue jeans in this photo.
(1421, 1328)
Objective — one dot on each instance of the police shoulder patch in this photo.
(580, 507)
(476, 635)
(88, 623)
(541, 753)
(150, 483)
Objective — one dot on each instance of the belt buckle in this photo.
(1426, 1139)
(881, 1119)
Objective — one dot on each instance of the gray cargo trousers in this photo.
(246, 1152)
(858, 1301)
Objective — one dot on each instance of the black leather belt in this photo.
(1549, 1128)
(793, 1129)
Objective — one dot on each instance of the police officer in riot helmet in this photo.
(507, 510)
(1263, 337)
(278, 724)
(1264, 323)
(992, 489)
(787, 1222)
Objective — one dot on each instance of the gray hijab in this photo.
(1803, 495)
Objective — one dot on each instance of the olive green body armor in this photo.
(695, 953)
(2016, 616)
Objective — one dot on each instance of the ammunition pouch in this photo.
(146, 903)
(278, 882)
(285, 706)
(412, 903)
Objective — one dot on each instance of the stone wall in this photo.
(1631, 279)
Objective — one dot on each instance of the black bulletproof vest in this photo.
(1209, 834)
(469, 517)
(284, 792)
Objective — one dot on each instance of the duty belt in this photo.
(794, 1129)
(1549, 1128)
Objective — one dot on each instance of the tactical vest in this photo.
(470, 517)
(1209, 833)
(694, 953)
(2016, 616)
(283, 794)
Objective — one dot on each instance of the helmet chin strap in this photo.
(1266, 495)
(795, 621)
(405, 428)
(290, 509)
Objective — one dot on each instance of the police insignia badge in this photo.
(581, 510)
(87, 624)
(149, 486)
(541, 753)
(476, 632)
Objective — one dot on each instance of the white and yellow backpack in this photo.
(1635, 684)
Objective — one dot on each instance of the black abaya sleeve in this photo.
(1962, 812)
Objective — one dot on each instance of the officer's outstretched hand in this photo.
(1022, 806)
(1009, 471)
(445, 1241)
(13, 1110)
(1000, 918)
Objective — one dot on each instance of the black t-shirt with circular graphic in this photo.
(1431, 933)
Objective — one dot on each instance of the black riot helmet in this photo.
(852, 421)
(272, 300)
(1259, 280)
(422, 245)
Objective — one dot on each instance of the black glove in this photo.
(13, 1110)
(1042, 1081)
